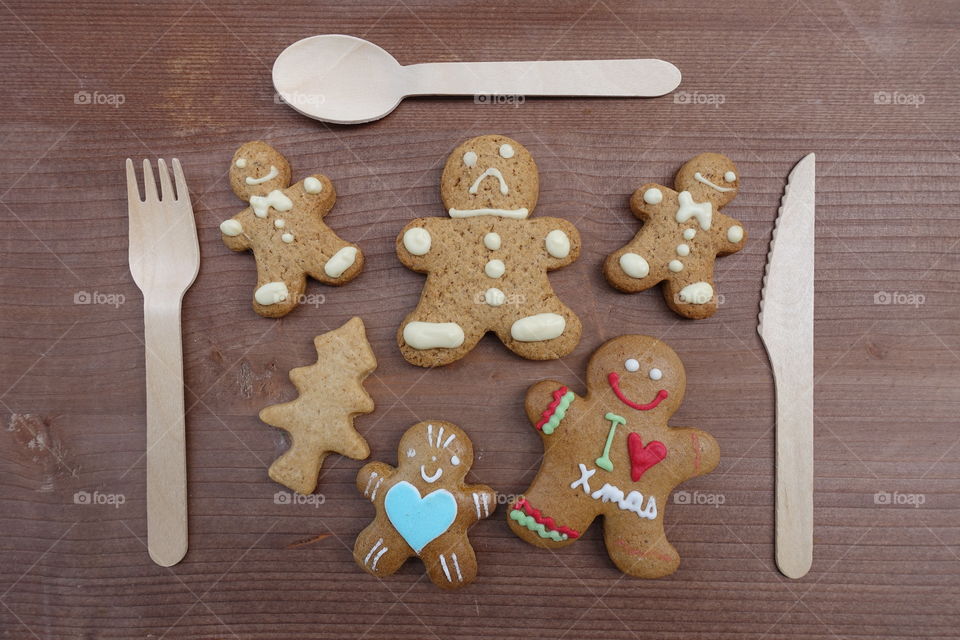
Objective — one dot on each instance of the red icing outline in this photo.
(635, 446)
(614, 380)
(548, 412)
(524, 505)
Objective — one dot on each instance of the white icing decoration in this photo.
(699, 178)
(735, 233)
(279, 223)
(542, 326)
(584, 479)
(506, 151)
(494, 297)
(558, 244)
(492, 241)
(433, 335)
(430, 479)
(655, 374)
(494, 268)
(730, 176)
(455, 460)
(492, 171)
(676, 266)
(653, 196)
(417, 241)
(470, 158)
(411, 452)
(241, 163)
(688, 234)
(631, 365)
(683, 250)
(271, 293)
(340, 262)
(287, 237)
(633, 501)
(231, 228)
(312, 185)
(276, 199)
(702, 211)
(273, 173)
(634, 265)
(515, 214)
(696, 293)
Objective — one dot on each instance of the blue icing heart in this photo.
(419, 520)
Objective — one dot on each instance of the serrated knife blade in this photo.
(786, 328)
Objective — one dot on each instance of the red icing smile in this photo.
(614, 379)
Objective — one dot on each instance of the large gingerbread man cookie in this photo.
(487, 263)
(682, 235)
(284, 228)
(424, 507)
(612, 454)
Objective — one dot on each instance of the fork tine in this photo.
(166, 189)
(149, 184)
(183, 193)
(133, 191)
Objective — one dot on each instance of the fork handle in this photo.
(166, 450)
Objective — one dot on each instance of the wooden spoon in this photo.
(346, 80)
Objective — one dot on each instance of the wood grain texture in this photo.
(764, 83)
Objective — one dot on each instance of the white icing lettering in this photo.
(585, 475)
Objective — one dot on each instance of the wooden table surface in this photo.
(871, 87)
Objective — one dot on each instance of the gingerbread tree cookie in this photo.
(284, 228)
(611, 453)
(320, 420)
(487, 263)
(424, 507)
(682, 235)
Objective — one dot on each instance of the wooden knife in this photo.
(786, 327)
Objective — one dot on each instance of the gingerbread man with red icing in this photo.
(682, 235)
(611, 453)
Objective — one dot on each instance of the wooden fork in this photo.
(164, 260)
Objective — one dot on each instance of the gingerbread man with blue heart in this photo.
(424, 507)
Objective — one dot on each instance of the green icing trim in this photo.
(533, 525)
(559, 413)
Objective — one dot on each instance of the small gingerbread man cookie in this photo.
(284, 228)
(487, 263)
(682, 235)
(424, 507)
(612, 454)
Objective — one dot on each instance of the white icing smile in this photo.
(492, 171)
(699, 178)
(274, 172)
(430, 479)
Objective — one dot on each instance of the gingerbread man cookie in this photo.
(487, 263)
(284, 228)
(682, 235)
(424, 507)
(612, 454)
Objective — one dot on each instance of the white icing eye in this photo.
(411, 452)
(655, 374)
(241, 163)
(506, 151)
(631, 365)
(454, 460)
(470, 158)
(730, 176)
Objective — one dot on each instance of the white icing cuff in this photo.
(653, 196)
(696, 293)
(735, 233)
(232, 228)
(558, 244)
(433, 335)
(312, 186)
(543, 326)
(634, 265)
(340, 262)
(417, 241)
(271, 293)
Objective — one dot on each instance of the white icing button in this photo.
(455, 460)
(494, 297)
(506, 151)
(634, 266)
(417, 241)
(312, 185)
(241, 163)
(287, 237)
(631, 365)
(231, 228)
(543, 326)
(558, 244)
(683, 250)
(470, 158)
(653, 196)
(340, 262)
(433, 335)
(271, 293)
(492, 241)
(676, 266)
(730, 176)
(688, 234)
(655, 374)
(735, 233)
(279, 223)
(696, 293)
(494, 268)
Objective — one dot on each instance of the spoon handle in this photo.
(624, 78)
